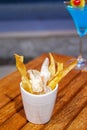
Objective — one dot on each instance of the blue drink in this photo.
(79, 16)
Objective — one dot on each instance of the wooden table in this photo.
(70, 112)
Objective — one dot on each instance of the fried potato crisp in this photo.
(52, 66)
(60, 74)
(22, 69)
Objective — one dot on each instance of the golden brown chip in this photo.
(69, 68)
(20, 66)
(52, 66)
(22, 69)
(59, 67)
(52, 84)
(26, 84)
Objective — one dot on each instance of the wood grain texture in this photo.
(80, 122)
(30, 126)
(10, 109)
(5, 101)
(14, 122)
(71, 104)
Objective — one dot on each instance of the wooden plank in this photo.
(11, 90)
(30, 126)
(68, 78)
(62, 58)
(9, 81)
(69, 92)
(13, 76)
(78, 80)
(17, 121)
(62, 118)
(80, 122)
(11, 108)
(3, 100)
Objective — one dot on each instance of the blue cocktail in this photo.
(79, 16)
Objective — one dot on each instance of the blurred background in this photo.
(33, 27)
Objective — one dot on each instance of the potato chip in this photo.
(22, 69)
(20, 66)
(26, 84)
(60, 75)
(52, 66)
(59, 67)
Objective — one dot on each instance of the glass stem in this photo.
(80, 47)
(80, 57)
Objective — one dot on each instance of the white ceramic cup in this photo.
(38, 108)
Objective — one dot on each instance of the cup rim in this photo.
(41, 95)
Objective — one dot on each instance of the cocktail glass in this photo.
(79, 16)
